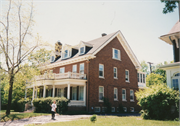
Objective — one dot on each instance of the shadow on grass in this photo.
(9, 117)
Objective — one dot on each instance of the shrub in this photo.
(19, 106)
(43, 104)
(158, 102)
(93, 118)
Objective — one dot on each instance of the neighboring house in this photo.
(173, 69)
(87, 72)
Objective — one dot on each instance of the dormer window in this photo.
(65, 53)
(82, 50)
(52, 58)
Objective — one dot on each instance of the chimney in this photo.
(58, 47)
(103, 34)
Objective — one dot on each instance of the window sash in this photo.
(82, 50)
(123, 94)
(74, 93)
(74, 69)
(60, 92)
(81, 93)
(127, 75)
(65, 53)
(81, 69)
(101, 70)
(131, 95)
(175, 84)
(115, 94)
(62, 70)
(116, 54)
(101, 93)
(143, 78)
(115, 72)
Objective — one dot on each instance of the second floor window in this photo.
(74, 69)
(62, 70)
(115, 72)
(127, 75)
(116, 54)
(81, 70)
(101, 70)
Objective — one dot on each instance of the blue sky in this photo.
(141, 22)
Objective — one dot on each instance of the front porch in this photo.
(69, 85)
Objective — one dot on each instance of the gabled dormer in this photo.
(66, 51)
(84, 47)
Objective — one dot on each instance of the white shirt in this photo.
(53, 107)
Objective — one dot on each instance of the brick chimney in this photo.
(58, 47)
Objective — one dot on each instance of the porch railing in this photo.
(54, 76)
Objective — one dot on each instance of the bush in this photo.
(42, 105)
(158, 102)
(19, 106)
(93, 118)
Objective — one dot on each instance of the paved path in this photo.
(43, 119)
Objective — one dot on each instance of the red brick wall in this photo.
(105, 57)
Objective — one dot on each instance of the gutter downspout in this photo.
(173, 48)
(87, 86)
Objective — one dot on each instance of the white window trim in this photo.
(103, 93)
(62, 68)
(125, 94)
(130, 95)
(80, 50)
(130, 109)
(125, 109)
(116, 73)
(97, 111)
(128, 76)
(119, 54)
(103, 71)
(116, 94)
(73, 67)
(113, 110)
(80, 67)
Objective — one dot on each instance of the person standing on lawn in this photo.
(53, 106)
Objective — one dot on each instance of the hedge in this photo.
(158, 102)
(19, 106)
(42, 105)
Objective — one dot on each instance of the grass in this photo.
(115, 121)
(18, 115)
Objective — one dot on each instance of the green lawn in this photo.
(18, 115)
(115, 121)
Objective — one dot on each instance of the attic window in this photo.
(52, 58)
(65, 53)
(82, 50)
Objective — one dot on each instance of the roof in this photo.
(171, 65)
(174, 32)
(98, 44)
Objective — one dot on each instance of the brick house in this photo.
(87, 72)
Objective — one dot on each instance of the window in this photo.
(81, 68)
(125, 109)
(62, 70)
(113, 109)
(138, 76)
(143, 78)
(131, 95)
(74, 69)
(175, 84)
(101, 93)
(52, 58)
(104, 109)
(82, 50)
(81, 93)
(124, 94)
(131, 109)
(66, 54)
(116, 54)
(115, 94)
(60, 92)
(97, 109)
(115, 72)
(101, 70)
(74, 93)
(127, 75)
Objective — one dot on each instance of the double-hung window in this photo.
(82, 50)
(123, 94)
(101, 93)
(101, 70)
(62, 70)
(81, 93)
(115, 72)
(138, 77)
(60, 92)
(127, 75)
(66, 54)
(81, 68)
(74, 69)
(115, 94)
(143, 78)
(74, 93)
(131, 95)
(116, 54)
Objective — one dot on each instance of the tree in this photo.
(170, 5)
(16, 39)
(154, 79)
(144, 66)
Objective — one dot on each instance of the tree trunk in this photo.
(11, 81)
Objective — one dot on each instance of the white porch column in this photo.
(25, 93)
(53, 91)
(84, 95)
(68, 92)
(44, 91)
(36, 93)
(33, 93)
